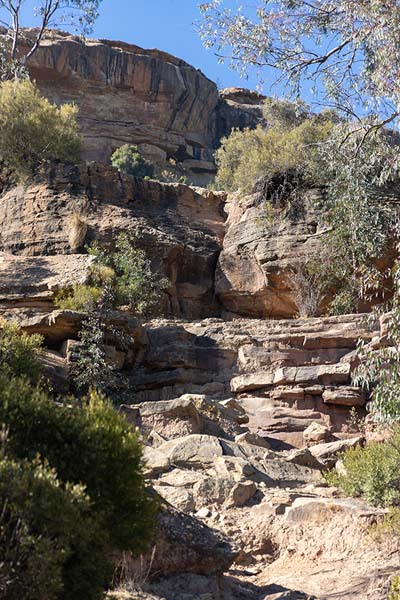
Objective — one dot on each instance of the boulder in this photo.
(344, 396)
(253, 439)
(192, 451)
(183, 544)
(303, 456)
(316, 432)
(170, 419)
(327, 453)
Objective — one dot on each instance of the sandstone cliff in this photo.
(127, 94)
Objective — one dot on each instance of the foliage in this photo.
(135, 283)
(372, 472)
(334, 44)
(19, 352)
(246, 156)
(394, 593)
(87, 443)
(81, 298)
(50, 546)
(34, 131)
(91, 369)
(128, 160)
(17, 46)
(359, 215)
(379, 369)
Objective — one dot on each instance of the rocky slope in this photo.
(241, 405)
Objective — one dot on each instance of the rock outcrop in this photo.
(180, 227)
(130, 95)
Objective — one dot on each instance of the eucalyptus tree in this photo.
(17, 46)
(348, 49)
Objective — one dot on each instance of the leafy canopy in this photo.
(290, 144)
(349, 49)
(34, 131)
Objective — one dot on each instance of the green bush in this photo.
(81, 298)
(19, 352)
(51, 548)
(134, 283)
(128, 160)
(372, 472)
(246, 156)
(87, 443)
(34, 131)
(394, 593)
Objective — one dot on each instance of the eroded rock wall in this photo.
(181, 228)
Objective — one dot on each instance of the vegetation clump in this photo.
(128, 160)
(71, 485)
(34, 131)
(288, 145)
(372, 472)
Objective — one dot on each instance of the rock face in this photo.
(259, 251)
(130, 95)
(181, 228)
(127, 94)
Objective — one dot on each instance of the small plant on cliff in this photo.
(34, 131)
(307, 285)
(125, 272)
(128, 160)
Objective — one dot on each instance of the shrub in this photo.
(50, 546)
(372, 472)
(359, 214)
(246, 156)
(19, 352)
(128, 160)
(394, 593)
(34, 131)
(87, 443)
(379, 369)
(134, 283)
(81, 298)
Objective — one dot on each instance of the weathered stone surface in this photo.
(170, 419)
(183, 544)
(314, 509)
(303, 456)
(330, 450)
(192, 451)
(251, 438)
(316, 432)
(32, 282)
(127, 94)
(251, 276)
(181, 230)
(345, 396)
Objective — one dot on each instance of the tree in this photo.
(17, 47)
(359, 209)
(349, 49)
(34, 131)
(128, 160)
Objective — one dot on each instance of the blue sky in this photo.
(164, 24)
